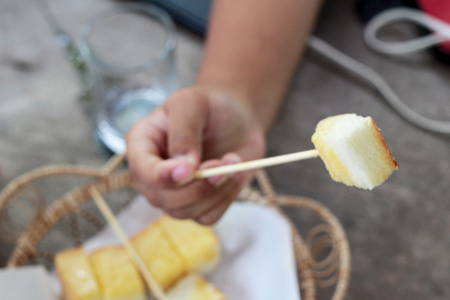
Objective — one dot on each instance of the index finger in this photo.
(146, 152)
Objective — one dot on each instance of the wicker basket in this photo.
(323, 258)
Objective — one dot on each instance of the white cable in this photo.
(440, 29)
(379, 83)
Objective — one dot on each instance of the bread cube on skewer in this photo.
(353, 150)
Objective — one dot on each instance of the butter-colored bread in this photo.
(354, 151)
(159, 255)
(194, 287)
(118, 276)
(198, 245)
(77, 275)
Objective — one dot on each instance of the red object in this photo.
(441, 10)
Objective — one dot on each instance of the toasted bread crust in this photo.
(390, 159)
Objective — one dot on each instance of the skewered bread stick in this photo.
(256, 164)
(352, 148)
(159, 255)
(112, 221)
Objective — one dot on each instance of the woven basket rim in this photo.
(107, 180)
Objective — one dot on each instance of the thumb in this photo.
(187, 119)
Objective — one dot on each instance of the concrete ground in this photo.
(398, 233)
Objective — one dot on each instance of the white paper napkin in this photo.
(25, 283)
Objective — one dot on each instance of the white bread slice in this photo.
(118, 277)
(159, 255)
(198, 245)
(194, 287)
(353, 150)
(77, 276)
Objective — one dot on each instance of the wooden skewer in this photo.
(112, 221)
(256, 164)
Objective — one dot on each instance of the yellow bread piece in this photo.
(194, 287)
(353, 150)
(198, 245)
(77, 276)
(158, 254)
(118, 277)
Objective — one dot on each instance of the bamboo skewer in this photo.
(256, 164)
(153, 286)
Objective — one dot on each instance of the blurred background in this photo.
(399, 233)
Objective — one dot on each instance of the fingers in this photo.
(214, 180)
(212, 215)
(207, 212)
(188, 114)
(165, 149)
(198, 203)
(203, 200)
(145, 151)
(190, 195)
(211, 207)
(197, 208)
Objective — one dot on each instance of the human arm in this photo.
(251, 52)
(253, 48)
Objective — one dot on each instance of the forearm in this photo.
(253, 48)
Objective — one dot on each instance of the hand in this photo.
(196, 128)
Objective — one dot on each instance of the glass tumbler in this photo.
(130, 54)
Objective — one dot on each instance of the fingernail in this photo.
(182, 173)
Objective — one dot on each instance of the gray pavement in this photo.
(399, 233)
